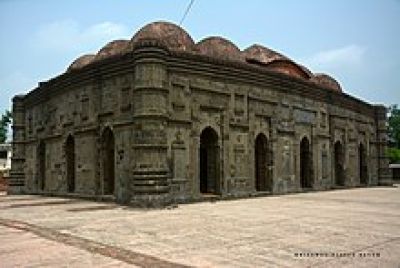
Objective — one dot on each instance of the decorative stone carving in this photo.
(158, 92)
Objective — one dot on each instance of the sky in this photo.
(357, 42)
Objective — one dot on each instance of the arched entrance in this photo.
(339, 161)
(305, 164)
(70, 159)
(108, 161)
(363, 168)
(261, 159)
(209, 162)
(41, 158)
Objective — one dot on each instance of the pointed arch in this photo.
(339, 163)
(209, 162)
(306, 179)
(363, 167)
(70, 163)
(41, 165)
(263, 180)
(108, 161)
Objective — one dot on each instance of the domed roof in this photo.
(112, 48)
(288, 67)
(174, 37)
(81, 62)
(219, 47)
(326, 81)
(262, 54)
(275, 61)
(177, 39)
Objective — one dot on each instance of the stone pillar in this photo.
(16, 181)
(179, 163)
(151, 174)
(384, 173)
(274, 153)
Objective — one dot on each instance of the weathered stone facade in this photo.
(160, 119)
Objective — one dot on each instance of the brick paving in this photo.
(23, 249)
(120, 254)
(360, 226)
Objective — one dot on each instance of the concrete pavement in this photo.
(343, 228)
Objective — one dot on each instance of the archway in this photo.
(305, 164)
(108, 161)
(363, 168)
(339, 161)
(261, 159)
(209, 160)
(70, 159)
(41, 158)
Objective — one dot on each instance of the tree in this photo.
(393, 151)
(394, 125)
(393, 154)
(4, 122)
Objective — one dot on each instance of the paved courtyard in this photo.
(361, 227)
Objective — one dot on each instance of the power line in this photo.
(186, 12)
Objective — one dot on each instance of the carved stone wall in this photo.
(157, 104)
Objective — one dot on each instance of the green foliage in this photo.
(393, 154)
(394, 133)
(394, 125)
(4, 122)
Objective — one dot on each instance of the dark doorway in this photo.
(209, 172)
(363, 168)
(41, 157)
(339, 161)
(70, 159)
(305, 164)
(263, 180)
(108, 147)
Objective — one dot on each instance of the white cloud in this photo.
(69, 35)
(350, 56)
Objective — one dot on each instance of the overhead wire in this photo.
(186, 12)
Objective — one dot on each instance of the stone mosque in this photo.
(162, 119)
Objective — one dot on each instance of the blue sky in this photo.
(357, 42)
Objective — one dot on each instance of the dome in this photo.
(326, 81)
(174, 37)
(112, 48)
(272, 60)
(261, 54)
(219, 47)
(81, 62)
(288, 67)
